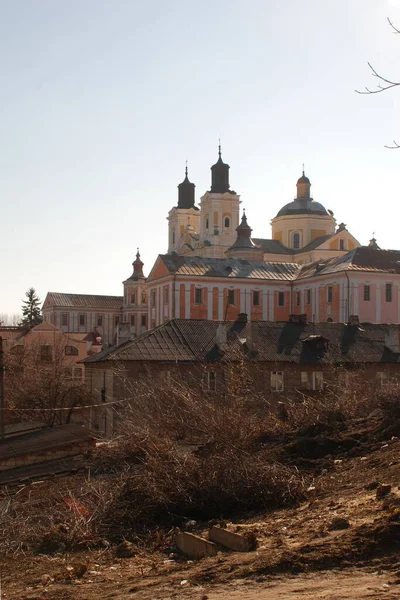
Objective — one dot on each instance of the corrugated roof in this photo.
(40, 441)
(83, 301)
(231, 268)
(190, 340)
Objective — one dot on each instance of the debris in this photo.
(125, 550)
(383, 490)
(338, 523)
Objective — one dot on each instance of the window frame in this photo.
(329, 294)
(230, 298)
(256, 297)
(281, 296)
(277, 381)
(312, 380)
(66, 315)
(80, 320)
(389, 292)
(198, 295)
(296, 240)
(209, 381)
(308, 298)
(367, 293)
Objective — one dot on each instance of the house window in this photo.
(341, 244)
(312, 380)
(207, 223)
(198, 296)
(210, 381)
(82, 320)
(281, 298)
(256, 298)
(64, 319)
(296, 240)
(297, 298)
(116, 320)
(46, 353)
(133, 298)
(153, 297)
(308, 296)
(388, 292)
(231, 297)
(143, 320)
(330, 293)
(166, 296)
(173, 236)
(132, 320)
(99, 320)
(227, 222)
(382, 378)
(71, 351)
(367, 293)
(277, 381)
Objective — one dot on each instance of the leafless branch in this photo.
(380, 88)
(394, 147)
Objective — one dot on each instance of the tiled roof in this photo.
(231, 268)
(82, 301)
(363, 258)
(190, 340)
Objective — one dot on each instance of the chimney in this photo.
(241, 318)
(354, 320)
(392, 338)
(221, 336)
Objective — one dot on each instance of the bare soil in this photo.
(302, 553)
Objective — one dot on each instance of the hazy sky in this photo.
(101, 103)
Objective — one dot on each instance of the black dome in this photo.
(302, 206)
(303, 179)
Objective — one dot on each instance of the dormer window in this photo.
(341, 244)
(296, 240)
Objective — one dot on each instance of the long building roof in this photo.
(191, 340)
(56, 299)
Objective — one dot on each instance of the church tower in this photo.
(135, 302)
(219, 212)
(184, 217)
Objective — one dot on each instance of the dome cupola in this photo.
(186, 192)
(220, 176)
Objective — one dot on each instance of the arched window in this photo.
(296, 240)
(227, 222)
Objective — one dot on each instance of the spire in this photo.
(186, 192)
(220, 175)
(373, 243)
(243, 239)
(137, 267)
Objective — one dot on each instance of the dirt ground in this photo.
(304, 552)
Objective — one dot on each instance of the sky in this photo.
(103, 101)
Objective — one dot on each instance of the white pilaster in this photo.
(209, 303)
(187, 300)
(177, 301)
(265, 305)
(271, 294)
(378, 303)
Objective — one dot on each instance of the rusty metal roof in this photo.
(364, 258)
(231, 268)
(56, 299)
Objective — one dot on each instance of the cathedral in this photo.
(311, 268)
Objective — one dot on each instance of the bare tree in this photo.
(384, 83)
(42, 384)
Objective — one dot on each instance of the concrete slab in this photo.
(233, 541)
(194, 546)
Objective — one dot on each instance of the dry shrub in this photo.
(175, 485)
(55, 516)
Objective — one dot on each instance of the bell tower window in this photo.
(296, 240)
(227, 222)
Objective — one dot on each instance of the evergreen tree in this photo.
(30, 309)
